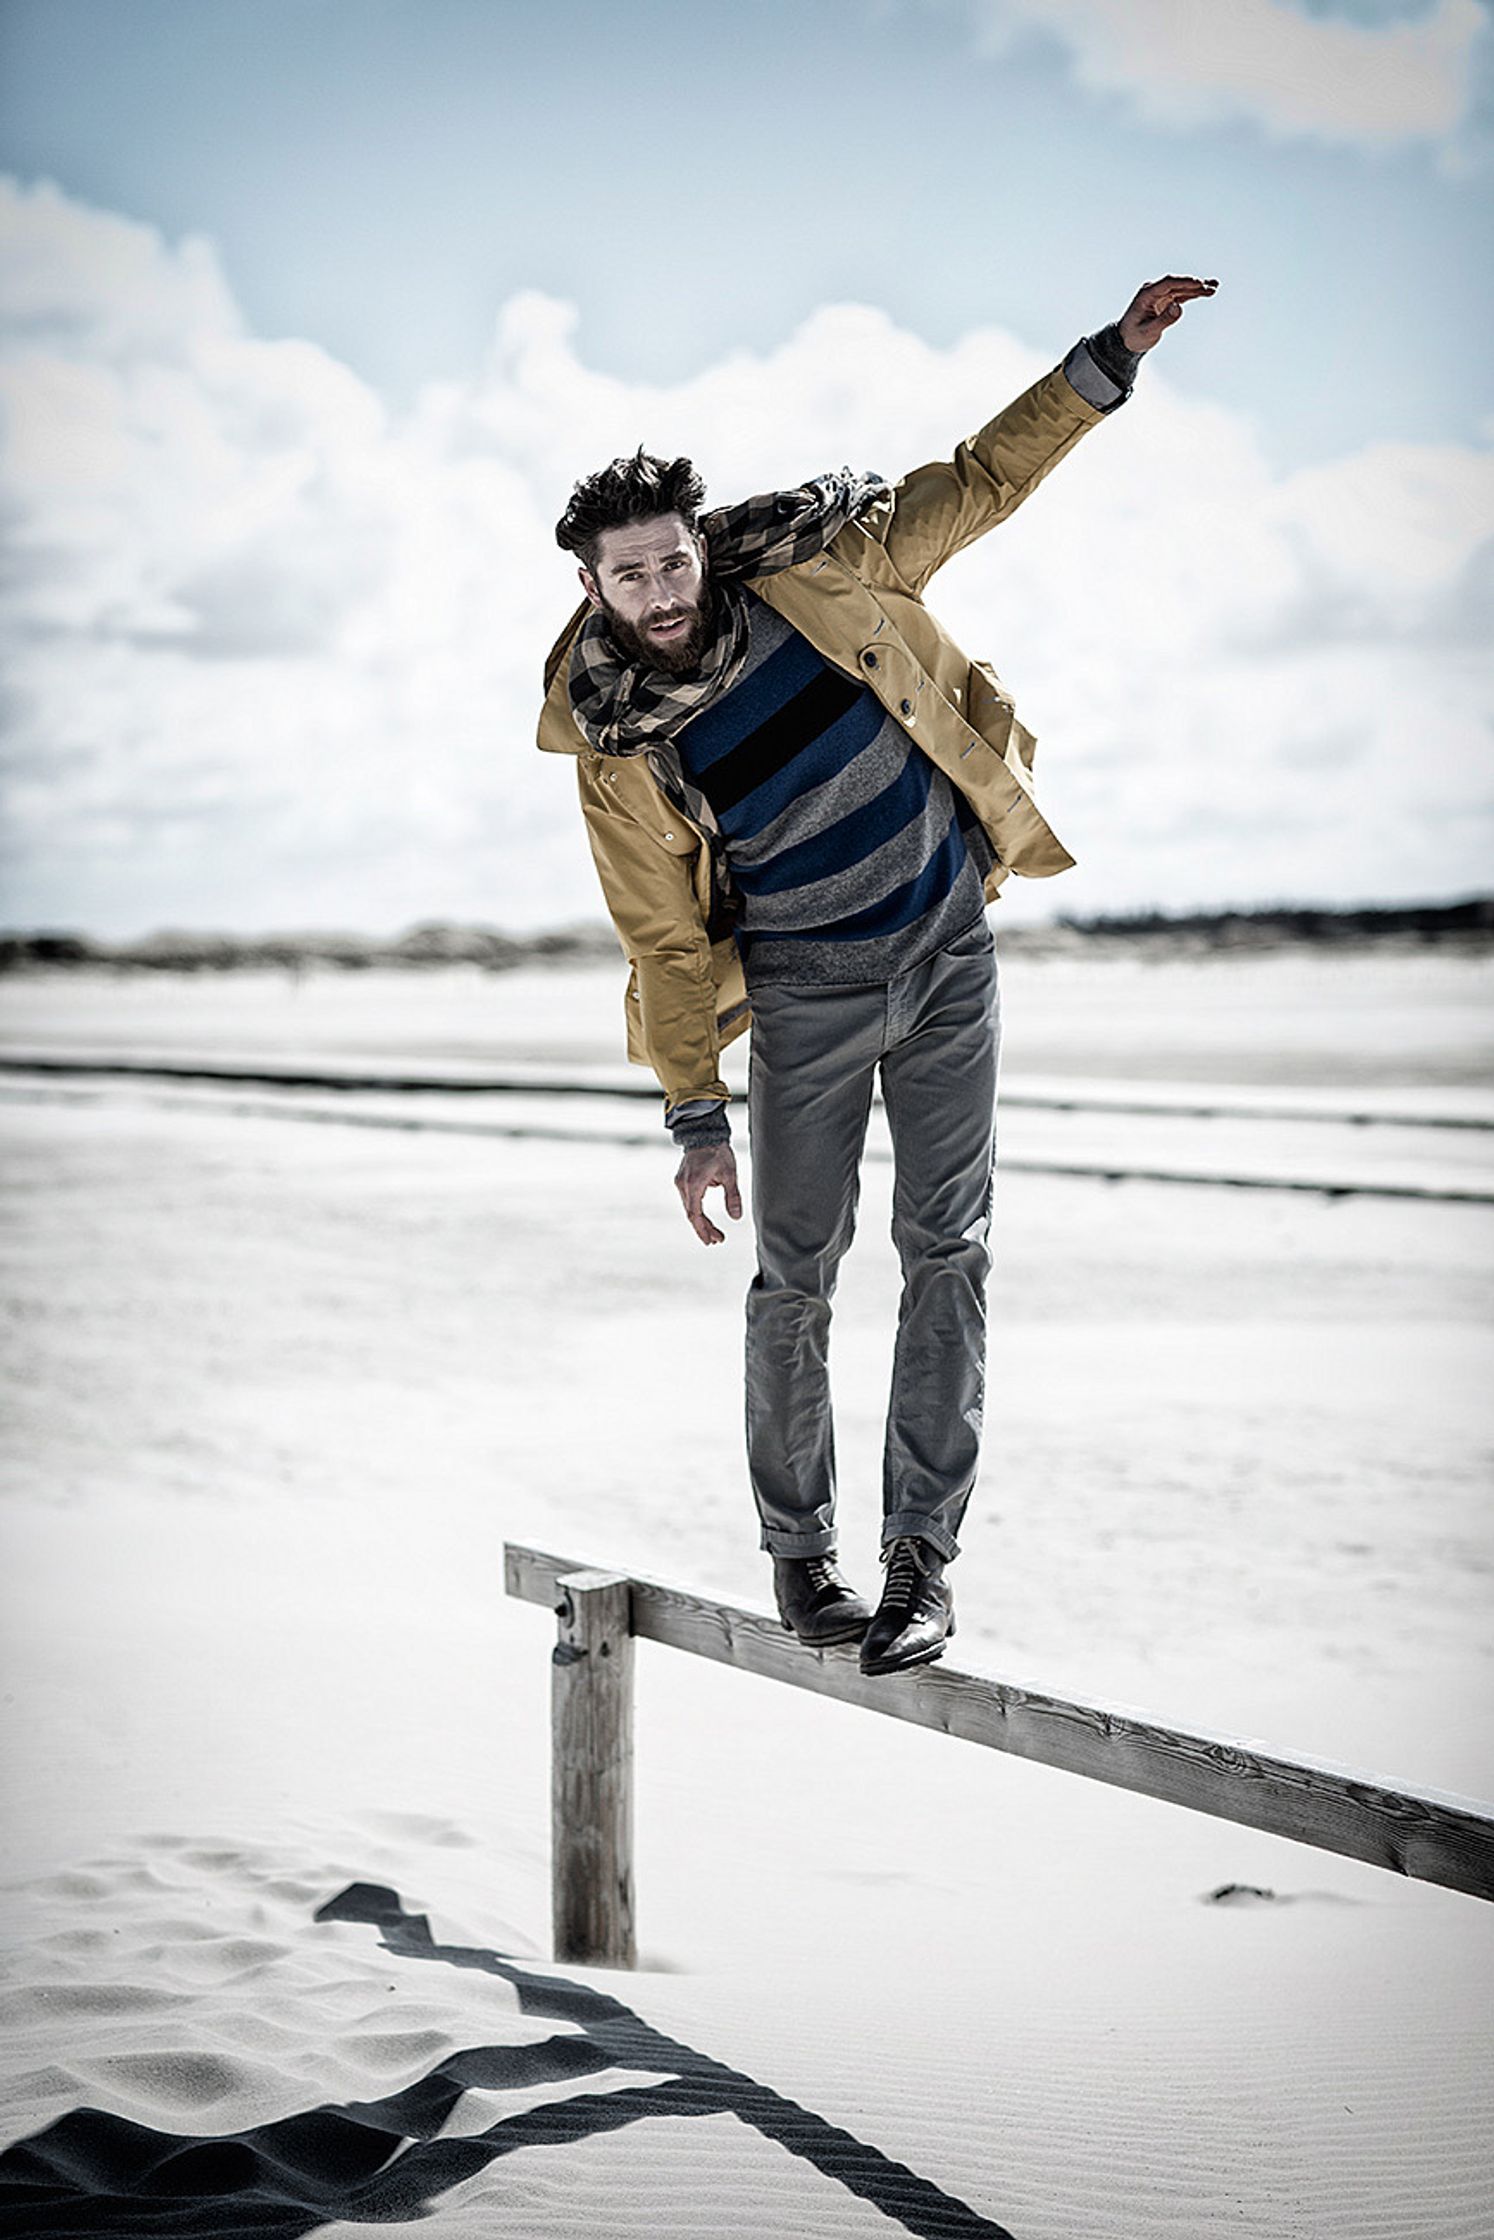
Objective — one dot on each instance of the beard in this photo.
(680, 658)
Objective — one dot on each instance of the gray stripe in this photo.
(842, 964)
(814, 811)
(861, 886)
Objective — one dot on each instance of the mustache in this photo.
(635, 640)
(678, 606)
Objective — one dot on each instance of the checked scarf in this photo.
(625, 707)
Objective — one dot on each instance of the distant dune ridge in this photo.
(439, 941)
(433, 942)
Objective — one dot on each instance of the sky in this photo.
(314, 310)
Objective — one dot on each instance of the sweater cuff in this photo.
(1101, 369)
(697, 1125)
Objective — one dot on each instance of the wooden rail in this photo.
(1435, 1838)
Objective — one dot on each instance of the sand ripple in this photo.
(345, 2065)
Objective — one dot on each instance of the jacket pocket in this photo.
(675, 837)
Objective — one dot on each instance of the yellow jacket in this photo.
(859, 604)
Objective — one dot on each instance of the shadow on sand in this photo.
(381, 2161)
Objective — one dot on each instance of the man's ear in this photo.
(589, 586)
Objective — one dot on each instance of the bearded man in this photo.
(800, 795)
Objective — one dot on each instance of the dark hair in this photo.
(636, 489)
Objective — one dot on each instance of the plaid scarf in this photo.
(626, 707)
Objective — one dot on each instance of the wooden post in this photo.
(591, 1771)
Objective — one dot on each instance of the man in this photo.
(799, 795)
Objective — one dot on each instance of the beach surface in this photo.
(287, 1368)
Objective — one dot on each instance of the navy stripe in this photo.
(840, 846)
(901, 908)
(779, 741)
(750, 703)
(816, 764)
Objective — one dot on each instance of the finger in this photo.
(705, 1228)
(733, 1201)
(695, 1214)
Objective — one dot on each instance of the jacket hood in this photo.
(559, 732)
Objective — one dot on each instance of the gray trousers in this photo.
(935, 1034)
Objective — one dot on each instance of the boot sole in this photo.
(881, 1665)
(905, 1664)
(851, 1632)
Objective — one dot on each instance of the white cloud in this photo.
(274, 652)
(1328, 76)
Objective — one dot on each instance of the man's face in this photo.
(650, 583)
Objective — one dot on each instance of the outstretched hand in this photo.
(713, 1166)
(1154, 308)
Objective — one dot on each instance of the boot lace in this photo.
(905, 1566)
(820, 1572)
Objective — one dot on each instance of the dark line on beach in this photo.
(520, 1132)
(1418, 1191)
(377, 1084)
(505, 1085)
(1138, 1108)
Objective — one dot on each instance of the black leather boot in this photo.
(816, 1603)
(915, 1616)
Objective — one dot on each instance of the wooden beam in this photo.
(591, 1768)
(1421, 1833)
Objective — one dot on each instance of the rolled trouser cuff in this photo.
(904, 1524)
(800, 1546)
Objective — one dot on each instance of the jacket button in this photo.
(870, 659)
(905, 707)
(669, 835)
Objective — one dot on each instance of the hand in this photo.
(711, 1167)
(1154, 308)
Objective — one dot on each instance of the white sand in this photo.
(280, 1393)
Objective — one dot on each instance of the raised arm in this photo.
(938, 509)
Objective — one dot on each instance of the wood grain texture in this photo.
(1420, 1833)
(591, 1768)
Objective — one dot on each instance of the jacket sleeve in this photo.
(937, 510)
(651, 899)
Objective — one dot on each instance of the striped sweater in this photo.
(855, 857)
